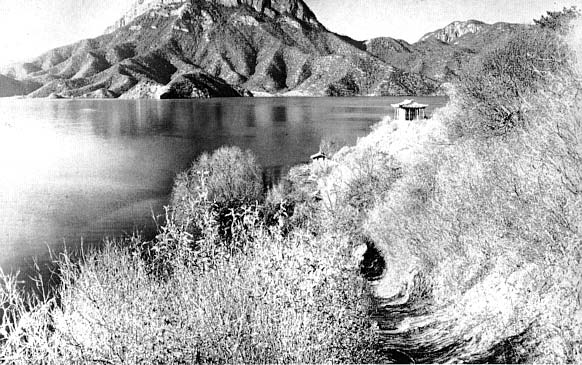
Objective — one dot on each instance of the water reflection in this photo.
(75, 169)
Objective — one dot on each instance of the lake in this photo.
(75, 171)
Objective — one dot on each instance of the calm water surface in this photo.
(75, 171)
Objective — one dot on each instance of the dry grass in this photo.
(293, 299)
(267, 295)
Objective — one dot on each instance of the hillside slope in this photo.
(438, 56)
(11, 87)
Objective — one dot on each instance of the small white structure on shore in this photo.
(319, 156)
(409, 110)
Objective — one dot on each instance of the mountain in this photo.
(431, 59)
(272, 46)
(11, 87)
(439, 55)
(472, 34)
(456, 30)
(296, 9)
(207, 48)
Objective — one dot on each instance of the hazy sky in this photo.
(30, 27)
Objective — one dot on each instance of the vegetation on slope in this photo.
(228, 279)
(481, 234)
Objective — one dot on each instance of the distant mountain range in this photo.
(210, 48)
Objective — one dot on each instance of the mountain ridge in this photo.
(455, 30)
(472, 34)
(440, 55)
(206, 48)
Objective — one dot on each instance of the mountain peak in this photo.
(455, 30)
(294, 8)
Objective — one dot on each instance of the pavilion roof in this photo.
(409, 104)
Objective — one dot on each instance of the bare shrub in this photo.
(228, 176)
(498, 218)
(287, 299)
(493, 86)
(265, 294)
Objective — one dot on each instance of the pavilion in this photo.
(409, 110)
